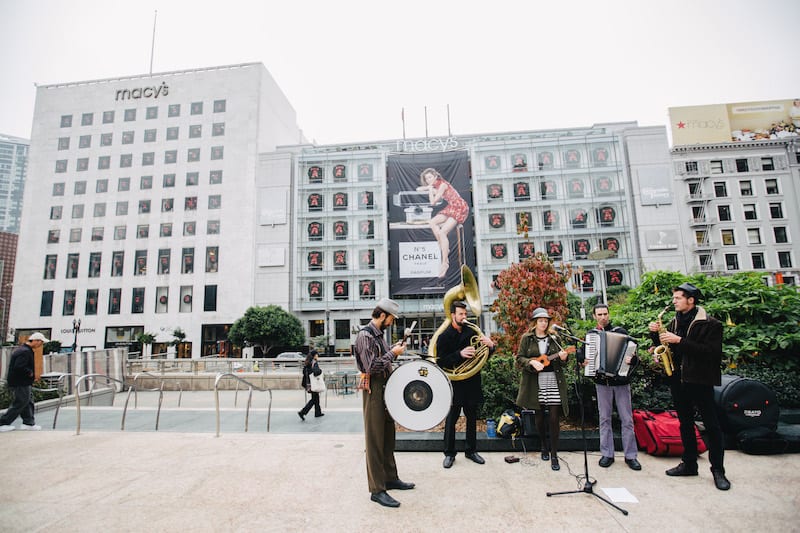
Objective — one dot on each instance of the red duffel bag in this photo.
(659, 433)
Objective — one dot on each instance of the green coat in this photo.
(528, 395)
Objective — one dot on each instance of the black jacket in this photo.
(448, 355)
(700, 351)
(307, 370)
(20, 367)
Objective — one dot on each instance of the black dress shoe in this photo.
(475, 457)
(319, 415)
(633, 464)
(545, 455)
(554, 463)
(682, 470)
(605, 462)
(720, 481)
(384, 499)
(301, 415)
(399, 485)
(448, 461)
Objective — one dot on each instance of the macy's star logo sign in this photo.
(681, 125)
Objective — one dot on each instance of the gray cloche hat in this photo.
(389, 306)
(540, 312)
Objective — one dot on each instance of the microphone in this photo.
(559, 328)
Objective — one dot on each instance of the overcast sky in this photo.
(348, 67)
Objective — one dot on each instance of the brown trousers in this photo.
(379, 434)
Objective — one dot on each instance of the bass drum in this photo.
(418, 395)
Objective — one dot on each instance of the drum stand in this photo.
(588, 486)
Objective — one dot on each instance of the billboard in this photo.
(430, 221)
(735, 122)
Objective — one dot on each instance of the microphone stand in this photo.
(588, 486)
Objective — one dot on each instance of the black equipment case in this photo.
(744, 403)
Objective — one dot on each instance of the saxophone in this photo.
(663, 351)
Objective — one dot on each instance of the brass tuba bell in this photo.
(468, 291)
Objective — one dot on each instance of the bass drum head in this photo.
(418, 395)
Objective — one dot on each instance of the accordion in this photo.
(606, 352)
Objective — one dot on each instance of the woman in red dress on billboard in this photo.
(454, 213)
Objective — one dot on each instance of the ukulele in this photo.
(545, 359)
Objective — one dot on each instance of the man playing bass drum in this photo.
(541, 360)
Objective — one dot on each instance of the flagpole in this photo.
(153, 44)
(403, 117)
(426, 122)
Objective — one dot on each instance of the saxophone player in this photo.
(453, 347)
(695, 339)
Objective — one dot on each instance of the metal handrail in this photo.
(78, 397)
(250, 387)
(60, 389)
(136, 389)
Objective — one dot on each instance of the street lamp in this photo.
(76, 327)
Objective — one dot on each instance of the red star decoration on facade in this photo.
(681, 125)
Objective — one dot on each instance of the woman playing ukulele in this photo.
(541, 360)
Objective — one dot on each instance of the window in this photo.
(732, 261)
(172, 133)
(192, 178)
(106, 139)
(691, 167)
(720, 190)
(746, 188)
(215, 177)
(77, 211)
(772, 186)
(195, 131)
(219, 106)
(146, 182)
(785, 259)
(210, 298)
(169, 180)
(724, 212)
(162, 299)
(767, 163)
(58, 189)
(150, 136)
(91, 301)
(72, 265)
(366, 259)
(142, 231)
(140, 263)
(97, 233)
(130, 115)
(87, 119)
(186, 299)
(193, 155)
(170, 156)
(122, 208)
(148, 159)
(151, 112)
(108, 117)
(212, 227)
(196, 108)
(189, 228)
(123, 184)
(80, 187)
(190, 203)
(217, 152)
(137, 300)
(85, 141)
(100, 210)
(95, 262)
(218, 129)
(758, 260)
(83, 164)
(104, 162)
(114, 297)
(174, 110)
(101, 186)
(120, 233)
(215, 201)
(698, 214)
(716, 167)
(187, 261)
(61, 166)
(75, 235)
(163, 261)
(728, 237)
(165, 230)
(46, 307)
(695, 190)
(125, 160)
(144, 206)
(63, 143)
(53, 236)
(127, 137)
(68, 308)
(66, 122)
(753, 236)
(780, 234)
(50, 266)
(212, 258)
(741, 165)
(55, 212)
(750, 212)
(775, 210)
(117, 263)
(167, 205)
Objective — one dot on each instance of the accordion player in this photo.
(606, 354)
